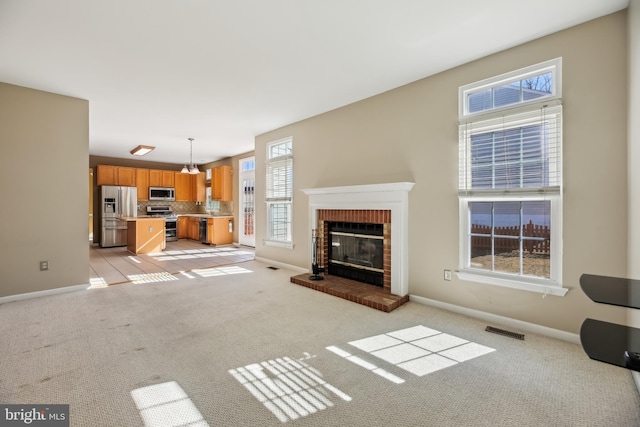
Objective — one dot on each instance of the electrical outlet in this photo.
(44, 265)
(447, 275)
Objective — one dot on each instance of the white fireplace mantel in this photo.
(390, 196)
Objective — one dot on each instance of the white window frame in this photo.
(512, 115)
(530, 116)
(551, 286)
(554, 66)
(286, 199)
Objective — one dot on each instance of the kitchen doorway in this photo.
(246, 233)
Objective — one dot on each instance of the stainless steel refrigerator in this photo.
(116, 203)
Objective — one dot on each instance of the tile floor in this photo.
(110, 266)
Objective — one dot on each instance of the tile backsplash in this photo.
(223, 208)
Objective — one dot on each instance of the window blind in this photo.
(514, 92)
(279, 179)
(513, 153)
(279, 190)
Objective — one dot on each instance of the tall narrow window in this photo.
(279, 192)
(510, 180)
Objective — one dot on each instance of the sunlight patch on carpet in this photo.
(365, 364)
(290, 389)
(420, 350)
(167, 405)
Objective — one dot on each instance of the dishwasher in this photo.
(204, 238)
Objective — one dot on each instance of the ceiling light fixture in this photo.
(192, 169)
(141, 150)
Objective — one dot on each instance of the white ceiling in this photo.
(157, 72)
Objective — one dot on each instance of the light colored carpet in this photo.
(242, 346)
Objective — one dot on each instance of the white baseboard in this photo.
(507, 321)
(281, 265)
(38, 294)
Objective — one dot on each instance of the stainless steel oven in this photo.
(171, 228)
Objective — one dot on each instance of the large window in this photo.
(279, 192)
(510, 180)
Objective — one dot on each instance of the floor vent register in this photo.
(505, 333)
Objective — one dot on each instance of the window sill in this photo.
(542, 286)
(279, 244)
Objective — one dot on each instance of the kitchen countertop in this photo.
(135, 218)
(205, 215)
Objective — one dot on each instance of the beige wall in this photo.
(44, 190)
(410, 134)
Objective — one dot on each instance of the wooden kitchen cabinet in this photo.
(142, 183)
(183, 227)
(221, 184)
(146, 235)
(126, 176)
(194, 228)
(220, 231)
(116, 175)
(155, 178)
(198, 187)
(106, 175)
(190, 188)
(182, 186)
(168, 179)
(189, 227)
(161, 178)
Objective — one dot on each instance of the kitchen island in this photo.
(145, 235)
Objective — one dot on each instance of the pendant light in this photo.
(192, 169)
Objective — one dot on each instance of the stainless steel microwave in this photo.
(162, 193)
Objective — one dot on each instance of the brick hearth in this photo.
(376, 297)
(361, 293)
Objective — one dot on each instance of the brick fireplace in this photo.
(386, 204)
(381, 217)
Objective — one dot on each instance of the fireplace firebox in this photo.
(356, 251)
